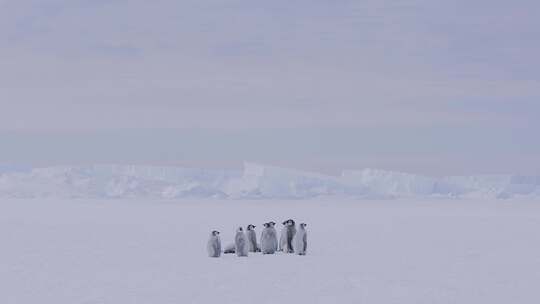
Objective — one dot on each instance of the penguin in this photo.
(252, 239)
(291, 231)
(300, 240)
(241, 243)
(274, 233)
(287, 233)
(269, 241)
(283, 236)
(214, 245)
(229, 249)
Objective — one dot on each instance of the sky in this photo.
(423, 86)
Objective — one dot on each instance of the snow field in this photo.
(398, 251)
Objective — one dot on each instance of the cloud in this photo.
(243, 65)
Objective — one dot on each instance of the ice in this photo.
(253, 181)
(115, 181)
(399, 185)
(498, 186)
(384, 251)
(260, 181)
(391, 183)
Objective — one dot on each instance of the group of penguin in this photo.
(291, 240)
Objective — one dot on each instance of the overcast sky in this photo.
(425, 86)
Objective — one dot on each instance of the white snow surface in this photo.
(255, 181)
(61, 251)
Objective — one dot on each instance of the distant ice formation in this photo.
(253, 182)
(260, 181)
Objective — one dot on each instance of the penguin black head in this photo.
(292, 223)
(266, 225)
(215, 232)
(303, 225)
(251, 227)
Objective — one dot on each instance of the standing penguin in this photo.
(274, 233)
(241, 243)
(283, 236)
(214, 245)
(291, 232)
(269, 242)
(287, 235)
(300, 240)
(252, 239)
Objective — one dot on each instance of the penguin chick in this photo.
(300, 240)
(252, 239)
(214, 245)
(287, 233)
(269, 242)
(240, 243)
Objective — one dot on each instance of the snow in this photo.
(254, 181)
(360, 251)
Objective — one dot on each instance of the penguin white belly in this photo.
(283, 239)
(240, 243)
(273, 239)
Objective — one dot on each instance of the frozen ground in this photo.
(387, 251)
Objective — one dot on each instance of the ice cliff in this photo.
(254, 181)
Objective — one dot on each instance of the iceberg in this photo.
(252, 182)
(260, 181)
(391, 183)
